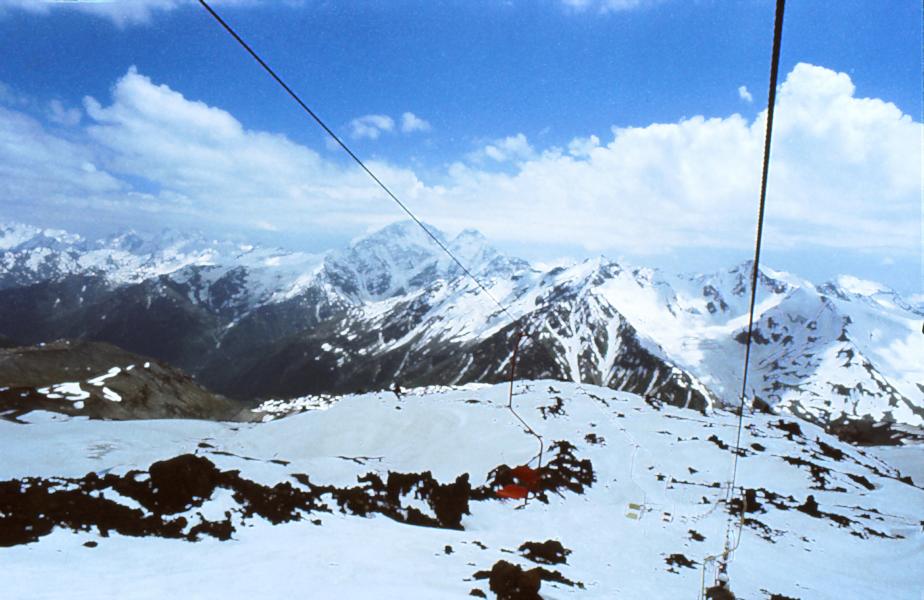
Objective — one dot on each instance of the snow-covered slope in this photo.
(822, 352)
(638, 502)
(392, 308)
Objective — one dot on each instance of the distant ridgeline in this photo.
(252, 322)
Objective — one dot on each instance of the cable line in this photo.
(731, 544)
(519, 332)
(352, 155)
(513, 365)
(755, 273)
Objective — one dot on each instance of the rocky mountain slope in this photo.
(253, 322)
(375, 495)
(99, 381)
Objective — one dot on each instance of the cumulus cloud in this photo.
(38, 167)
(371, 126)
(845, 174)
(744, 94)
(514, 148)
(199, 160)
(582, 147)
(411, 123)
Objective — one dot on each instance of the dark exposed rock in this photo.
(564, 472)
(679, 560)
(31, 507)
(148, 390)
(791, 428)
(715, 440)
(830, 451)
(512, 582)
(557, 409)
(748, 501)
(550, 552)
(818, 472)
(810, 507)
(594, 439)
(762, 406)
(756, 337)
(220, 530)
(864, 432)
(719, 592)
(860, 479)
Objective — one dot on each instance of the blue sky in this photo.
(513, 107)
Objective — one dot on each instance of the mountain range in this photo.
(253, 322)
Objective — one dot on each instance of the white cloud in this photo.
(371, 126)
(582, 147)
(201, 162)
(411, 123)
(58, 113)
(515, 148)
(845, 174)
(605, 6)
(11, 97)
(744, 94)
(120, 12)
(38, 167)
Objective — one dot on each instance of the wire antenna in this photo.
(352, 155)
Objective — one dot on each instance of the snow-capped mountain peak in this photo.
(402, 258)
(14, 234)
(860, 287)
(393, 307)
(22, 236)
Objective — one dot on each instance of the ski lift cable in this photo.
(519, 332)
(351, 154)
(755, 273)
(513, 365)
(732, 543)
